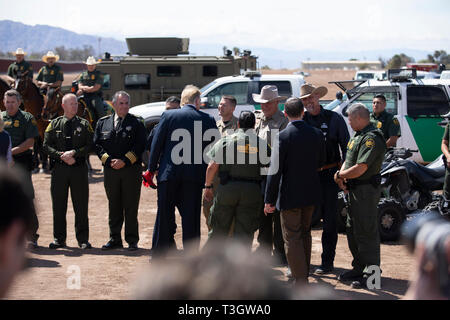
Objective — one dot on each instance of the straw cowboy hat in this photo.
(91, 61)
(50, 54)
(19, 51)
(268, 93)
(307, 89)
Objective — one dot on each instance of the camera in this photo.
(431, 230)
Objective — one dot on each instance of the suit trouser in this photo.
(329, 210)
(296, 225)
(123, 189)
(362, 226)
(187, 197)
(240, 202)
(24, 171)
(75, 178)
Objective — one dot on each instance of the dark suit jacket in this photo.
(190, 166)
(296, 183)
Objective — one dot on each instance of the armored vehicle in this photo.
(157, 68)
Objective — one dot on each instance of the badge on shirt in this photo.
(129, 128)
(16, 123)
(395, 121)
(52, 72)
(21, 68)
(379, 125)
(79, 129)
(370, 143)
(93, 77)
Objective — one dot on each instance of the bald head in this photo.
(70, 105)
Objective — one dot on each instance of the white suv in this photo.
(241, 87)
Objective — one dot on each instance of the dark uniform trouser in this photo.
(123, 189)
(362, 226)
(447, 184)
(95, 103)
(239, 200)
(29, 189)
(296, 225)
(75, 178)
(187, 197)
(329, 209)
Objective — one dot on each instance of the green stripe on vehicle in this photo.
(428, 136)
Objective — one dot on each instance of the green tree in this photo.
(398, 61)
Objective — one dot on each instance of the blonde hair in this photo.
(190, 94)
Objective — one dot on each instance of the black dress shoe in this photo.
(323, 270)
(350, 275)
(112, 245)
(57, 244)
(85, 245)
(132, 247)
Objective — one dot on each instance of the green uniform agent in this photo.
(447, 174)
(61, 135)
(50, 74)
(238, 196)
(21, 127)
(387, 123)
(367, 146)
(125, 141)
(94, 99)
(16, 68)
(225, 128)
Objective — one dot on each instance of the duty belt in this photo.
(374, 181)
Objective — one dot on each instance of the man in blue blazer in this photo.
(301, 152)
(178, 147)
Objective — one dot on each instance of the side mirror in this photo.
(204, 102)
(339, 95)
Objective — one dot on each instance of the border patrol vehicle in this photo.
(241, 87)
(417, 104)
(155, 69)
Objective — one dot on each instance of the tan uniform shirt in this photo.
(231, 126)
(264, 125)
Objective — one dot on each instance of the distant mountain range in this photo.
(41, 38)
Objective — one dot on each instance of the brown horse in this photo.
(4, 86)
(33, 103)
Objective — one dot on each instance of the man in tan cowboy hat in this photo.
(270, 236)
(20, 67)
(336, 137)
(50, 75)
(90, 85)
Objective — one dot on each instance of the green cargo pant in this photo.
(362, 226)
(123, 189)
(75, 178)
(237, 200)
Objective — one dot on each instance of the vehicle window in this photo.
(168, 71)
(210, 71)
(137, 81)
(206, 87)
(284, 87)
(364, 76)
(237, 89)
(367, 98)
(426, 101)
(106, 81)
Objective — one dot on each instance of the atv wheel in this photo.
(341, 219)
(390, 217)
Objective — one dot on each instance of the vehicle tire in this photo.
(341, 219)
(390, 217)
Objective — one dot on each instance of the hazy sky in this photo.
(293, 25)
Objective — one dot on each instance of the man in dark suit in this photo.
(301, 152)
(178, 147)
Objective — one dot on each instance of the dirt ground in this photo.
(108, 275)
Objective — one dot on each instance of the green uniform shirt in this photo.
(366, 146)
(238, 153)
(230, 126)
(15, 68)
(387, 123)
(20, 127)
(57, 138)
(91, 78)
(50, 74)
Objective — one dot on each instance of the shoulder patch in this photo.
(370, 143)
